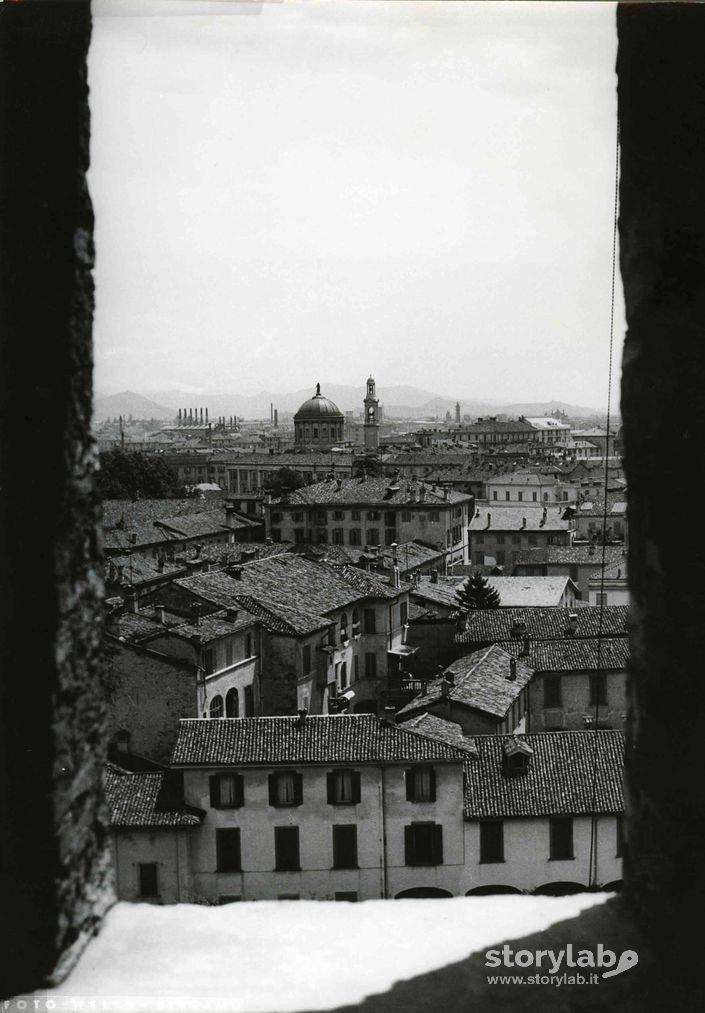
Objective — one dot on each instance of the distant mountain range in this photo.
(398, 402)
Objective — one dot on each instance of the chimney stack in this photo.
(512, 669)
(526, 645)
(302, 712)
(206, 415)
(434, 576)
(390, 716)
(396, 582)
(159, 609)
(276, 418)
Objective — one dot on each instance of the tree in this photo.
(283, 481)
(476, 593)
(124, 475)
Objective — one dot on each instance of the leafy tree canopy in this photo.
(283, 481)
(125, 475)
(476, 593)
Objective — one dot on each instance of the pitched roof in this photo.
(481, 681)
(576, 554)
(569, 773)
(378, 492)
(321, 738)
(146, 800)
(522, 591)
(208, 522)
(543, 623)
(442, 730)
(441, 591)
(298, 590)
(588, 654)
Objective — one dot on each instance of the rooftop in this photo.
(518, 592)
(320, 738)
(543, 623)
(569, 773)
(147, 800)
(382, 492)
(481, 681)
(497, 516)
(585, 654)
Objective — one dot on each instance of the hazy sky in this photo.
(304, 191)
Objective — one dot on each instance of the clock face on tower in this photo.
(370, 412)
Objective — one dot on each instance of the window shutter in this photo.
(438, 845)
(432, 784)
(298, 789)
(356, 786)
(409, 778)
(239, 790)
(272, 789)
(330, 780)
(409, 849)
(215, 791)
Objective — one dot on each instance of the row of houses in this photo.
(351, 807)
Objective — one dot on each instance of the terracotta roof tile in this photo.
(569, 773)
(146, 800)
(329, 738)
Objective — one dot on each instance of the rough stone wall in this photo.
(661, 90)
(56, 876)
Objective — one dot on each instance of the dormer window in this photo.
(516, 757)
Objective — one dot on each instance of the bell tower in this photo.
(371, 417)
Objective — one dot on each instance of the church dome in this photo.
(318, 408)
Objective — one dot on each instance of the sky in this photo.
(302, 191)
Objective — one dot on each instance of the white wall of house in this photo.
(527, 863)
(169, 848)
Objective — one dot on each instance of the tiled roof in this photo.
(290, 586)
(439, 592)
(289, 459)
(208, 522)
(214, 626)
(610, 573)
(481, 682)
(581, 655)
(576, 554)
(569, 773)
(145, 511)
(511, 518)
(378, 492)
(329, 738)
(543, 623)
(146, 800)
(136, 535)
(138, 568)
(138, 627)
(442, 730)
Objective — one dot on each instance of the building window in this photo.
(507, 495)
(299, 536)
(285, 789)
(619, 837)
(355, 536)
(306, 659)
(390, 536)
(338, 515)
(499, 539)
(492, 841)
(369, 620)
(345, 847)
(532, 539)
(516, 539)
(423, 844)
(494, 494)
(286, 849)
(248, 645)
(297, 516)
(343, 787)
(216, 707)
(232, 704)
(343, 674)
(479, 558)
(561, 838)
(228, 652)
(355, 515)
(209, 663)
(373, 515)
(601, 598)
(552, 691)
(338, 536)
(421, 784)
(372, 535)
(249, 702)
(370, 665)
(322, 536)
(148, 879)
(598, 689)
(226, 791)
(434, 516)
(227, 850)
(534, 497)
(500, 557)
(406, 516)
(403, 613)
